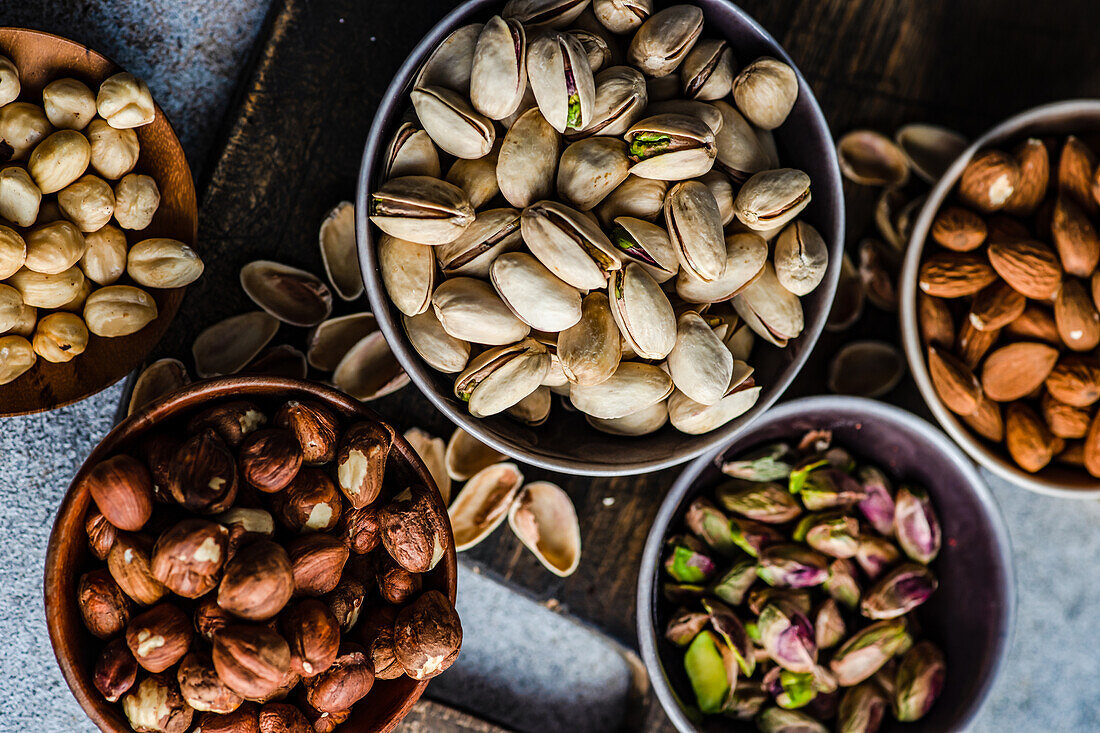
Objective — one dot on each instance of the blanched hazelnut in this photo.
(252, 660)
(114, 152)
(188, 558)
(317, 560)
(257, 582)
(16, 357)
(115, 670)
(361, 462)
(210, 618)
(203, 474)
(376, 633)
(201, 687)
(270, 459)
(87, 202)
(69, 104)
(11, 307)
(156, 706)
(20, 198)
(129, 564)
(360, 529)
(124, 101)
(345, 602)
(427, 636)
(101, 534)
(59, 160)
(54, 248)
(122, 489)
(231, 420)
(315, 427)
(163, 263)
(415, 529)
(78, 301)
(23, 126)
(396, 584)
(244, 719)
(310, 502)
(13, 251)
(60, 337)
(104, 258)
(159, 637)
(103, 606)
(119, 310)
(47, 291)
(9, 81)
(136, 200)
(313, 635)
(24, 325)
(345, 683)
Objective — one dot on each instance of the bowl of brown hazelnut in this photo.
(252, 554)
(98, 218)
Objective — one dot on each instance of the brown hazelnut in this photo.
(317, 561)
(315, 427)
(376, 633)
(415, 529)
(346, 601)
(427, 636)
(396, 584)
(209, 617)
(289, 682)
(115, 670)
(159, 637)
(103, 604)
(231, 420)
(323, 722)
(203, 474)
(245, 719)
(281, 717)
(361, 462)
(310, 503)
(245, 525)
(257, 582)
(201, 687)
(360, 529)
(345, 683)
(252, 660)
(313, 635)
(157, 451)
(189, 557)
(122, 489)
(130, 566)
(156, 706)
(270, 459)
(101, 534)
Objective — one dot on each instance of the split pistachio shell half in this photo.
(621, 98)
(590, 169)
(765, 92)
(534, 294)
(500, 377)
(466, 455)
(408, 272)
(641, 198)
(595, 47)
(695, 230)
(872, 159)
(866, 368)
(330, 340)
(772, 311)
(801, 258)
(622, 16)
(700, 364)
(663, 41)
(438, 348)
(293, 296)
(643, 422)
(671, 147)
(562, 81)
(279, 361)
(338, 251)
(634, 386)
(498, 77)
(772, 198)
(452, 123)
(229, 345)
(707, 72)
(545, 13)
(431, 451)
(369, 370)
(740, 152)
(483, 503)
(740, 341)
(528, 160)
(411, 152)
(155, 381)
(931, 149)
(477, 178)
(451, 64)
(16, 358)
(421, 209)
(570, 244)
(533, 409)
(589, 352)
(694, 418)
(646, 244)
(642, 311)
(493, 233)
(469, 310)
(545, 520)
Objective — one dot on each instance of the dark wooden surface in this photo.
(292, 148)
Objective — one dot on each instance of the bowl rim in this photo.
(58, 604)
(418, 370)
(685, 485)
(911, 341)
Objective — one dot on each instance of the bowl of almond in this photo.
(1000, 300)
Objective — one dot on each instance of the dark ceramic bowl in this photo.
(971, 614)
(566, 442)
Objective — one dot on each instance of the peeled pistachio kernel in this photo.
(11, 307)
(23, 125)
(118, 310)
(20, 197)
(53, 248)
(136, 200)
(13, 252)
(104, 258)
(47, 291)
(16, 357)
(70, 104)
(88, 202)
(765, 92)
(125, 102)
(60, 336)
(163, 263)
(9, 81)
(114, 152)
(59, 160)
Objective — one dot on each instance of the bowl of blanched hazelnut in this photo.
(97, 221)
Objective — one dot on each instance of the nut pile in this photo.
(603, 228)
(248, 564)
(797, 606)
(1009, 297)
(68, 198)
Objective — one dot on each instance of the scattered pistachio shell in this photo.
(156, 380)
(931, 149)
(228, 346)
(330, 340)
(279, 361)
(369, 370)
(338, 252)
(431, 451)
(483, 503)
(866, 369)
(872, 159)
(848, 301)
(466, 455)
(544, 519)
(291, 295)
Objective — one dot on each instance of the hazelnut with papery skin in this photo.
(115, 670)
(317, 561)
(310, 502)
(252, 660)
(270, 459)
(322, 722)
(360, 529)
(156, 706)
(189, 557)
(101, 534)
(159, 637)
(245, 719)
(130, 565)
(245, 525)
(231, 420)
(361, 462)
(415, 529)
(376, 633)
(289, 682)
(210, 618)
(202, 688)
(257, 582)
(157, 451)
(427, 636)
(396, 584)
(313, 635)
(103, 604)
(280, 717)
(122, 490)
(345, 683)
(315, 427)
(346, 601)
(203, 474)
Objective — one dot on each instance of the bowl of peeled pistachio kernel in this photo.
(841, 566)
(602, 236)
(97, 218)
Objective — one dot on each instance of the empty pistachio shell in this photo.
(671, 147)
(452, 123)
(466, 455)
(746, 255)
(740, 341)
(534, 409)
(646, 244)
(155, 381)
(451, 64)
(478, 178)
(931, 149)
(330, 340)
(662, 41)
(469, 310)
(642, 311)
(408, 272)
(163, 263)
(16, 357)
(570, 244)
(369, 370)
(771, 310)
(493, 233)
(866, 369)
(772, 198)
(562, 81)
(641, 198)
(695, 230)
(229, 345)
(421, 209)
(622, 16)
(279, 361)
(411, 152)
(498, 77)
(801, 258)
(643, 422)
(695, 418)
(534, 294)
(483, 503)
(765, 92)
(338, 252)
(41, 290)
(438, 348)
(544, 519)
(590, 169)
(545, 13)
(119, 310)
(500, 377)
(620, 101)
(633, 387)
(589, 352)
(872, 159)
(293, 296)
(707, 72)
(848, 302)
(431, 451)
(700, 364)
(528, 160)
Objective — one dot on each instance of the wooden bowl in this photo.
(68, 557)
(41, 58)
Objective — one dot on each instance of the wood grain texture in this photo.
(433, 717)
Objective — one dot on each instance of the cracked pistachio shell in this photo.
(156, 380)
(439, 349)
(622, 16)
(633, 387)
(589, 351)
(452, 123)
(695, 230)
(339, 255)
(545, 520)
(801, 258)
(919, 681)
(740, 341)
(534, 294)
(470, 310)
(498, 77)
(662, 41)
(590, 169)
(620, 101)
(421, 209)
(562, 81)
(408, 272)
(411, 152)
(466, 455)
(722, 189)
(930, 149)
(740, 152)
(700, 364)
(528, 160)
(595, 47)
(866, 651)
(707, 71)
(705, 112)
(695, 418)
(451, 64)
(293, 296)
(20, 198)
(570, 244)
(772, 198)
(555, 376)
(641, 198)
(545, 13)
(534, 409)
(646, 244)
(228, 346)
(870, 158)
(643, 422)
(477, 178)
(16, 357)
(765, 91)
(329, 340)
(772, 311)
(671, 147)
(369, 370)
(500, 377)
(23, 126)
(118, 310)
(42, 290)
(483, 503)
(493, 233)
(642, 311)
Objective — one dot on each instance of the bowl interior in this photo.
(566, 442)
(969, 616)
(68, 557)
(1080, 117)
(41, 58)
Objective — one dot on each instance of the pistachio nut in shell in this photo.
(369, 370)
(722, 188)
(642, 311)
(746, 254)
(772, 311)
(765, 91)
(54, 248)
(229, 345)
(545, 13)
(661, 43)
(59, 160)
(421, 209)
(590, 169)
(870, 158)
(20, 198)
(411, 152)
(534, 409)
(451, 63)
(671, 147)
(643, 422)
(408, 272)
(772, 198)
(545, 520)
(589, 351)
(740, 153)
(801, 258)
(498, 75)
(500, 377)
(483, 503)
(641, 198)
(695, 230)
(494, 232)
(338, 251)
(528, 159)
(292, 295)
(119, 310)
(696, 418)
(163, 263)
(561, 79)
(453, 125)
(620, 101)
(700, 364)
(59, 337)
(427, 636)
(466, 455)
(646, 244)
(622, 16)
(633, 387)
(534, 294)
(470, 310)
(570, 244)
(477, 178)
(439, 349)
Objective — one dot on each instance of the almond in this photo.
(1065, 421)
(958, 229)
(987, 421)
(1076, 317)
(1029, 442)
(1073, 454)
(996, 306)
(989, 180)
(1074, 237)
(936, 324)
(1095, 286)
(1034, 178)
(1096, 185)
(958, 388)
(1013, 372)
(1075, 173)
(1075, 381)
(973, 344)
(954, 274)
(1030, 267)
(1001, 227)
(1035, 323)
(1092, 447)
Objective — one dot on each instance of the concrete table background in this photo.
(191, 53)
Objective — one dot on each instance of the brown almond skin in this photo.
(101, 534)
(1073, 454)
(954, 274)
(347, 681)
(314, 426)
(1074, 237)
(281, 717)
(313, 634)
(115, 670)
(995, 306)
(1076, 167)
(427, 636)
(958, 388)
(159, 637)
(188, 558)
(1076, 317)
(201, 687)
(1014, 371)
(1075, 380)
(1002, 227)
(244, 719)
(1034, 161)
(936, 324)
(1035, 323)
(973, 344)
(959, 229)
(252, 660)
(317, 561)
(232, 421)
(987, 421)
(989, 181)
(270, 459)
(122, 490)
(1031, 268)
(103, 605)
(309, 503)
(130, 564)
(1065, 421)
(1028, 440)
(257, 582)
